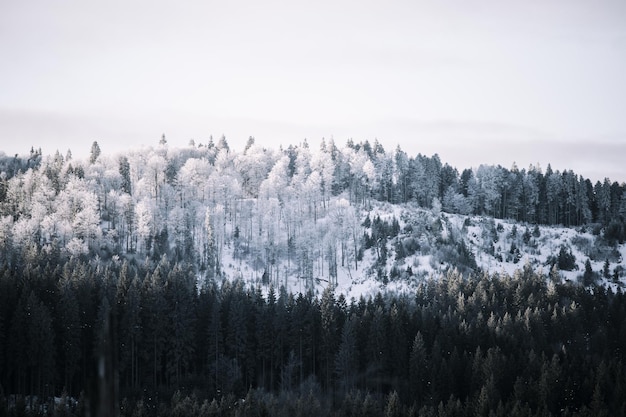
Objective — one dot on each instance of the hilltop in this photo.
(358, 217)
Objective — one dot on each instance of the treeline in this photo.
(151, 341)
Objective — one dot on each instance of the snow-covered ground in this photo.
(489, 240)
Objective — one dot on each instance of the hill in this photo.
(354, 281)
(360, 218)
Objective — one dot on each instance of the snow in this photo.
(425, 264)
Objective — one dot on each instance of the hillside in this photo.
(361, 218)
(354, 281)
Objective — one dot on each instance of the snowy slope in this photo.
(492, 243)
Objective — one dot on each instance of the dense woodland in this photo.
(512, 346)
(113, 291)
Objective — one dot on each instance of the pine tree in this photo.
(418, 368)
(154, 323)
(17, 363)
(67, 309)
(329, 333)
(181, 300)
(124, 170)
(130, 330)
(589, 275)
(346, 360)
(40, 348)
(95, 152)
(394, 407)
(606, 270)
(249, 144)
(215, 340)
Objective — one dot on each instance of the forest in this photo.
(154, 283)
(147, 338)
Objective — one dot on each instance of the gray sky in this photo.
(481, 81)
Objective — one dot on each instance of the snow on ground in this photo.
(489, 240)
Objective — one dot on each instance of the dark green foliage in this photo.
(566, 261)
(367, 223)
(515, 254)
(615, 233)
(406, 247)
(466, 256)
(477, 345)
(589, 277)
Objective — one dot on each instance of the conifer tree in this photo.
(94, 153)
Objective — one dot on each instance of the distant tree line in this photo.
(147, 338)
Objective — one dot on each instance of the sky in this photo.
(524, 81)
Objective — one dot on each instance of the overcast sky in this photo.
(475, 81)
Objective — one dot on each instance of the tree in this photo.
(329, 333)
(566, 261)
(222, 144)
(554, 189)
(105, 396)
(398, 343)
(40, 347)
(401, 174)
(606, 270)
(346, 360)
(588, 276)
(143, 222)
(394, 407)
(602, 193)
(18, 345)
(377, 347)
(249, 144)
(180, 297)
(418, 370)
(130, 329)
(237, 326)
(154, 322)
(214, 349)
(95, 152)
(70, 333)
(124, 170)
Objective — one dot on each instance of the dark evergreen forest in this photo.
(146, 337)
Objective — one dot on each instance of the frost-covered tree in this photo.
(322, 163)
(94, 153)
(144, 223)
(277, 181)
(124, 170)
(401, 175)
